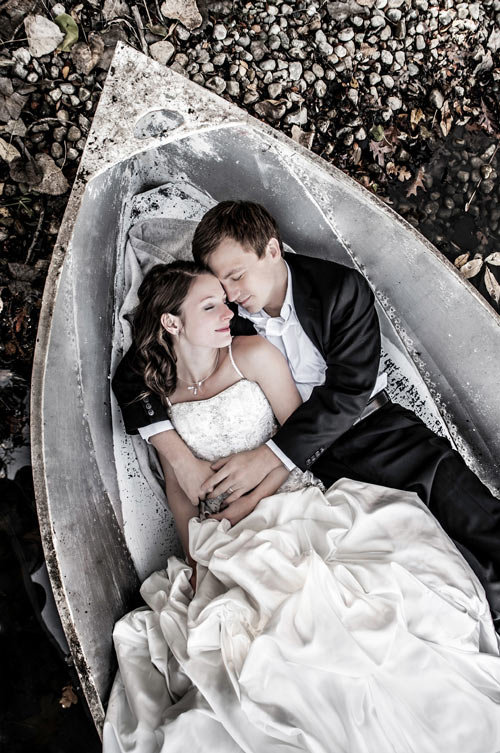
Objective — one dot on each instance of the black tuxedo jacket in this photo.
(334, 305)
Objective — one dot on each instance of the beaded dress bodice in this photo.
(238, 418)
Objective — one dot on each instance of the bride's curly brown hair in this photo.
(163, 291)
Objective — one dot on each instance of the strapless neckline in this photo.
(222, 392)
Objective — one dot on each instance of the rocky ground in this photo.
(401, 94)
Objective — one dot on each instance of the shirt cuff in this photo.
(149, 431)
(289, 464)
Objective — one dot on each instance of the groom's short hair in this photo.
(247, 223)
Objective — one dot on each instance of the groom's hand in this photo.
(240, 508)
(240, 473)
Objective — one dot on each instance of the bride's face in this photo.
(204, 316)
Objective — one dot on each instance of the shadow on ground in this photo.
(35, 673)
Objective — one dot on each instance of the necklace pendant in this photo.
(195, 388)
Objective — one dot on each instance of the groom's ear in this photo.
(273, 248)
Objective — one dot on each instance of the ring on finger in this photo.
(230, 489)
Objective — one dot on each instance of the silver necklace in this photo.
(195, 387)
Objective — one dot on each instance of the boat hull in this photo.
(154, 127)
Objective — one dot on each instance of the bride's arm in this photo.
(180, 506)
(190, 472)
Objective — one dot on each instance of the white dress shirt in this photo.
(307, 365)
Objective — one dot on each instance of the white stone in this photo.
(22, 55)
(494, 39)
(233, 88)
(162, 51)
(275, 90)
(185, 11)
(220, 32)
(436, 99)
(353, 96)
(345, 35)
(320, 89)
(114, 9)
(394, 103)
(299, 117)
(295, 72)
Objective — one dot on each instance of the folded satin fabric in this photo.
(344, 621)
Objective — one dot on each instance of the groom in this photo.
(321, 315)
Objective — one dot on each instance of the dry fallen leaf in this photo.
(86, 56)
(43, 35)
(494, 259)
(446, 118)
(492, 285)
(378, 149)
(305, 138)
(486, 120)
(11, 103)
(417, 183)
(8, 152)
(461, 260)
(416, 116)
(185, 11)
(471, 268)
(367, 50)
(403, 173)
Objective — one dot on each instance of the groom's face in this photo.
(247, 278)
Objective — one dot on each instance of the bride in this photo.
(338, 620)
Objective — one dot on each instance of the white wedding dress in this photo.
(334, 622)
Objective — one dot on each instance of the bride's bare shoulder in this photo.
(249, 345)
(252, 351)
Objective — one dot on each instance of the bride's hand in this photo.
(191, 477)
(238, 509)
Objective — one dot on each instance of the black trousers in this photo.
(394, 448)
